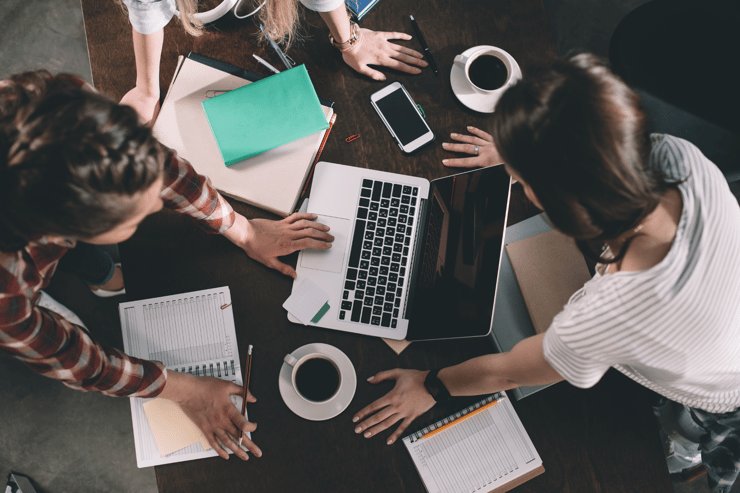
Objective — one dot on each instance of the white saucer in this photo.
(332, 407)
(474, 98)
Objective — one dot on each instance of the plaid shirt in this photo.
(56, 348)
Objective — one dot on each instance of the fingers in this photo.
(388, 35)
(384, 375)
(368, 410)
(466, 148)
(228, 442)
(480, 133)
(373, 74)
(377, 423)
(297, 216)
(308, 224)
(410, 52)
(399, 431)
(310, 243)
(470, 139)
(468, 162)
(281, 267)
(400, 66)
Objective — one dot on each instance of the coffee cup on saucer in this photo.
(480, 75)
(317, 381)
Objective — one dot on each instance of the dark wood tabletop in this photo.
(602, 439)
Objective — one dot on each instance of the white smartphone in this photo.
(402, 117)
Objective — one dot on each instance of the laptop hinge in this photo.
(415, 266)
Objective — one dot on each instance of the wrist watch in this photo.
(436, 388)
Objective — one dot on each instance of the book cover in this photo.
(264, 115)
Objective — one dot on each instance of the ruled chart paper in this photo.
(482, 448)
(190, 333)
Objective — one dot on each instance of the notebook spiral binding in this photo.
(419, 434)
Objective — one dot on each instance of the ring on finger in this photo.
(476, 150)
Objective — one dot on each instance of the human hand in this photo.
(408, 400)
(206, 401)
(145, 104)
(487, 153)
(266, 240)
(375, 48)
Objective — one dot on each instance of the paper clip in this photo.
(352, 137)
(224, 307)
(422, 110)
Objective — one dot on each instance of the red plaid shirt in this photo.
(56, 348)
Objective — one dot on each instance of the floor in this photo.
(68, 441)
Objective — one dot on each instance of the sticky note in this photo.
(308, 303)
(171, 427)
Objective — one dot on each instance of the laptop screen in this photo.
(456, 277)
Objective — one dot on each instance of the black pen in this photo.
(424, 44)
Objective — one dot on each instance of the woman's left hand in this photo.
(375, 48)
(266, 240)
(487, 154)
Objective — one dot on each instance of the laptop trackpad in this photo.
(331, 260)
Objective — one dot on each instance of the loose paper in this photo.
(171, 427)
(308, 303)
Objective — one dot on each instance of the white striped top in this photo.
(675, 327)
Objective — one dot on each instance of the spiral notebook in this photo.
(190, 333)
(483, 448)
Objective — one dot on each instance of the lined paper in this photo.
(482, 452)
(189, 333)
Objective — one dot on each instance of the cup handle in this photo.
(460, 61)
(290, 360)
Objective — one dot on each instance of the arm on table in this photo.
(144, 97)
(525, 364)
(373, 48)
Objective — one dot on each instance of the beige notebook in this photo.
(549, 269)
(272, 180)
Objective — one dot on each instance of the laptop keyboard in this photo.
(379, 256)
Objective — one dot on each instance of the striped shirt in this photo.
(675, 327)
(57, 348)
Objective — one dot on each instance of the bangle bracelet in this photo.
(354, 38)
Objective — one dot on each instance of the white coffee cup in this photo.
(493, 70)
(322, 382)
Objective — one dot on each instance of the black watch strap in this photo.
(436, 388)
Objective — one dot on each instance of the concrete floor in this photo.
(69, 441)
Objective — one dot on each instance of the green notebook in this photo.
(264, 115)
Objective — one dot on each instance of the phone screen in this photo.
(401, 115)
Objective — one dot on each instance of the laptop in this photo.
(411, 259)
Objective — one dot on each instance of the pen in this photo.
(246, 387)
(266, 64)
(277, 49)
(424, 45)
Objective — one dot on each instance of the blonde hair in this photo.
(281, 19)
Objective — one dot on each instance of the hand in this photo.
(146, 105)
(206, 401)
(375, 48)
(487, 153)
(266, 240)
(408, 400)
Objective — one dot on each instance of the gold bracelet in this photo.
(354, 37)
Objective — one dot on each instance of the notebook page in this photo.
(481, 453)
(191, 333)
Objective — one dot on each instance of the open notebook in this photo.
(192, 333)
(483, 448)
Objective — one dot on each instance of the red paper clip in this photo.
(224, 307)
(352, 137)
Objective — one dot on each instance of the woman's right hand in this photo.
(408, 400)
(487, 153)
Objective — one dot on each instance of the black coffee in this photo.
(317, 379)
(488, 72)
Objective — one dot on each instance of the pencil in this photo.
(318, 154)
(247, 372)
(461, 418)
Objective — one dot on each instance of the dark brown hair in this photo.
(577, 135)
(69, 159)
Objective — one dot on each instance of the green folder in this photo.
(264, 115)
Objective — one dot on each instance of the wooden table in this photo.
(602, 439)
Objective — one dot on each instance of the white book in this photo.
(272, 180)
(481, 449)
(191, 333)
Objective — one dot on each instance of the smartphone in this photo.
(402, 117)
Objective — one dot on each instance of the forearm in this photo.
(525, 364)
(338, 23)
(148, 52)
